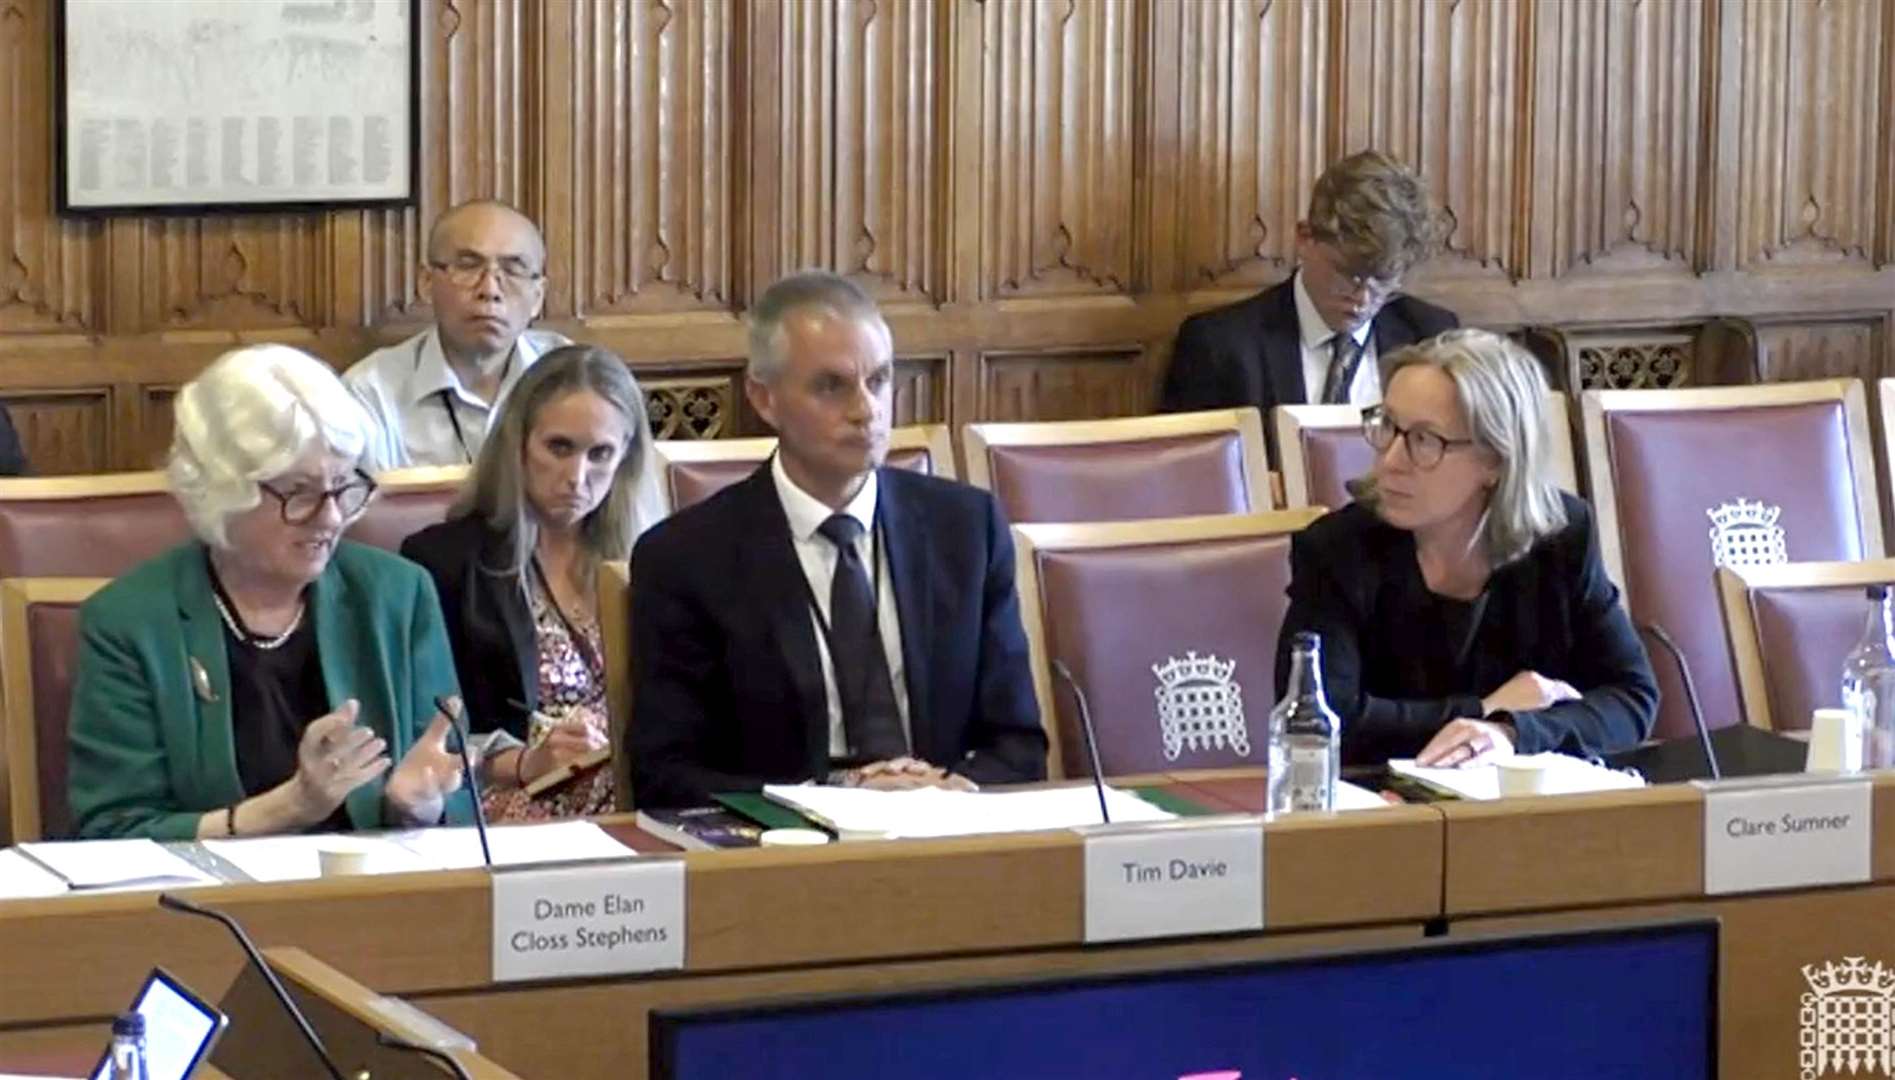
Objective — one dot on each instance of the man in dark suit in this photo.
(1316, 338)
(827, 618)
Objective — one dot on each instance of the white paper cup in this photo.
(792, 838)
(1835, 742)
(1524, 775)
(342, 860)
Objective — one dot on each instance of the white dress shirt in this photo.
(818, 557)
(1366, 388)
(408, 390)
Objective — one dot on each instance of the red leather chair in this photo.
(696, 469)
(1689, 480)
(407, 501)
(1322, 449)
(86, 526)
(1130, 469)
(1789, 628)
(39, 632)
(1169, 626)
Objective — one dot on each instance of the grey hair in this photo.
(248, 418)
(497, 491)
(806, 290)
(1502, 392)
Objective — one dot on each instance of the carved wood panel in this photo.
(1058, 83)
(860, 147)
(1618, 125)
(1064, 384)
(47, 267)
(1246, 134)
(63, 432)
(1845, 347)
(1812, 164)
(640, 193)
(1437, 85)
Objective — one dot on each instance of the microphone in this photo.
(178, 903)
(1657, 633)
(397, 1043)
(467, 776)
(1092, 737)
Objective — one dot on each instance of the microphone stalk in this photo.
(454, 718)
(1657, 633)
(178, 903)
(1092, 737)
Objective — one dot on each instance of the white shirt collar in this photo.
(433, 375)
(1316, 332)
(807, 513)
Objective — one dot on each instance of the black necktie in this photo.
(1344, 357)
(870, 719)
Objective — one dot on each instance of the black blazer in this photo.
(1389, 661)
(1251, 352)
(488, 624)
(727, 682)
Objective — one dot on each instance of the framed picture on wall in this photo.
(191, 106)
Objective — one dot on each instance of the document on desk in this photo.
(512, 845)
(115, 864)
(295, 858)
(1565, 775)
(22, 879)
(936, 812)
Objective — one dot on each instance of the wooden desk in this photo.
(768, 921)
(1639, 855)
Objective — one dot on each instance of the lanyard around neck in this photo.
(875, 591)
(447, 401)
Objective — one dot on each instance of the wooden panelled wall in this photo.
(1037, 189)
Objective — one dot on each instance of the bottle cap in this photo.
(1306, 639)
(1878, 593)
(132, 1024)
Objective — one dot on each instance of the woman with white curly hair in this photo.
(268, 677)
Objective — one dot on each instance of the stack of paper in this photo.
(294, 858)
(115, 864)
(1565, 775)
(22, 878)
(936, 812)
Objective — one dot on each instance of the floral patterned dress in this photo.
(571, 686)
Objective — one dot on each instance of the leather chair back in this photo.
(1139, 468)
(408, 501)
(1690, 480)
(39, 618)
(1789, 629)
(86, 526)
(695, 470)
(1170, 627)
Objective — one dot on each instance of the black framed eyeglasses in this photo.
(468, 271)
(300, 507)
(1425, 448)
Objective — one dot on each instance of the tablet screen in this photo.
(179, 1029)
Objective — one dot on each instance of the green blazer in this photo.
(151, 746)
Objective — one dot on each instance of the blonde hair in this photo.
(1375, 211)
(1502, 393)
(497, 491)
(248, 418)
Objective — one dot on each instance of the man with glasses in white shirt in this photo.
(1316, 338)
(433, 395)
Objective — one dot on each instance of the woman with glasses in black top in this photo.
(268, 677)
(1464, 610)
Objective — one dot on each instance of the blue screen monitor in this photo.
(1593, 1005)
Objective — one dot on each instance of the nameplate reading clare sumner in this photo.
(598, 919)
(1175, 879)
(1785, 835)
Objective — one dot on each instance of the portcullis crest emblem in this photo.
(1200, 705)
(1848, 1020)
(1745, 533)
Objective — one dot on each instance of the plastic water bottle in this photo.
(1868, 684)
(1305, 736)
(128, 1048)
